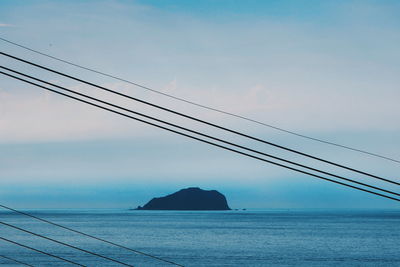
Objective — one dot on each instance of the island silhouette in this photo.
(192, 198)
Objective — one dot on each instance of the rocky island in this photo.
(192, 198)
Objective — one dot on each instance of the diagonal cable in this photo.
(203, 121)
(202, 105)
(87, 235)
(203, 140)
(65, 244)
(16, 261)
(196, 132)
(40, 251)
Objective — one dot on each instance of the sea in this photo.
(208, 238)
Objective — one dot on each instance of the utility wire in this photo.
(16, 261)
(201, 105)
(40, 251)
(87, 235)
(203, 140)
(66, 244)
(202, 121)
(196, 132)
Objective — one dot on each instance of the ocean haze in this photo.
(126, 173)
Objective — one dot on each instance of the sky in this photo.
(327, 69)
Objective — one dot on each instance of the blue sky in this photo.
(328, 69)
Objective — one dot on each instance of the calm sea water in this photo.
(233, 238)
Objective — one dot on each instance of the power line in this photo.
(203, 140)
(204, 106)
(201, 121)
(192, 131)
(40, 251)
(16, 261)
(87, 235)
(66, 244)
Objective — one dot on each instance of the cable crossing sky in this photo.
(208, 142)
(200, 105)
(182, 131)
(200, 120)
(192, 131)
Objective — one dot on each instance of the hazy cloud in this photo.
(6, 25)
